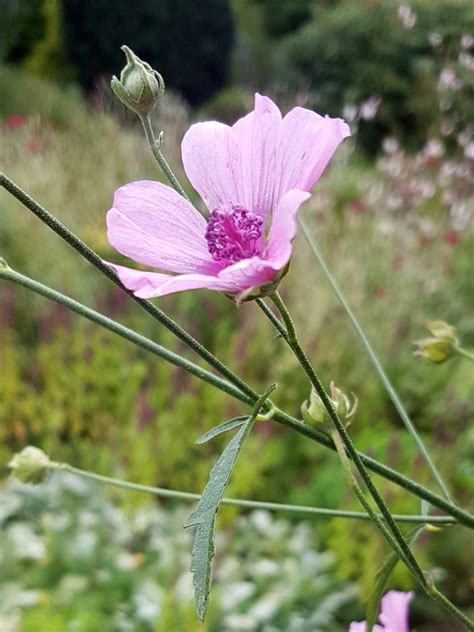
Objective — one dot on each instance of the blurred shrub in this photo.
(71, 561)
(189, 48)
(358, 50)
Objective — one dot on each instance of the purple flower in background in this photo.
(253, 177)
(393, 614)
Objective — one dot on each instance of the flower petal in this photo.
(235, 165)
(306, 145)
(248, 273)
(283, 228)
(212, 163)
(257, 138)
(153, 284)
(394, 611)
(152, 224)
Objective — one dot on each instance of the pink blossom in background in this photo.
(393, 614)
(15, 120)
(253, 177)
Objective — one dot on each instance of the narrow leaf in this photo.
(383, 574)
(204, 516)
(224, 427)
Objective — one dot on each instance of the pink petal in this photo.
(154, 225)
(283, 228)
(235, 165)
(249, 273)
(306, 145)
(257, 137)
(153, 284)
(212, 163)
(395, 610)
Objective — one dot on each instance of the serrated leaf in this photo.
(383, 574)
(221, 428)
(204, 516)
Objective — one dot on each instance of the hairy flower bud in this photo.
(31, 465)
(315, 412)
(442, 346)
(139, 86)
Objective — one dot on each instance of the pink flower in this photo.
(393, 615)
(15, 120)
(253, 177)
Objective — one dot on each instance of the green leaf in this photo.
(383, 574)
(204, 516)
(224, 427)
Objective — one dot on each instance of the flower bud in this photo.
(139, 86)
(441, 346)
(31, 465)
(315, 413)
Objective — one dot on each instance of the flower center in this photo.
(233, 235)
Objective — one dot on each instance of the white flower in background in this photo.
(435, 39)
(434, 148)
(466, 60)
(350, 112)
(406, 16)
(369, 108)
(448, 80)
(467, 41)
(469, 151)
(390, 145)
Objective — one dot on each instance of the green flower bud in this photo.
(315, 413)
(139, 86)
(442, 346)
(31, 465)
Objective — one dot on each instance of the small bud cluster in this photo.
(315, 413)
(139, 86)
(443, 344)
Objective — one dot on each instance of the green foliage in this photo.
(73, 562)
(357, 50)
(281, 18)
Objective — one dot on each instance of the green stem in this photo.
(465, 353)
(295, 345)
(447, 605)
(160, 159)
(124, 332)
(462, 516)
(249, 504)
(278, 416)
(375, 361)
(353, 484)
(392, 534)
(91, 256)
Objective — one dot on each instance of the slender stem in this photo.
(425, 582)
(250, 504)
(278, 416)
(91, 256)
(447, 605)
(124, 332)
(295, 345)
(462, 516)
(353, 484)
(375, 361)
(272, 318)
(392, 534)
(465, 353)
(160, 159)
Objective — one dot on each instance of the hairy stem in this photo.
(160, 159)
(353, 484)
(301, 356)
(375, 360)
(249, 504)
(278, 416)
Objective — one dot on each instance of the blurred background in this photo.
(394, 217)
